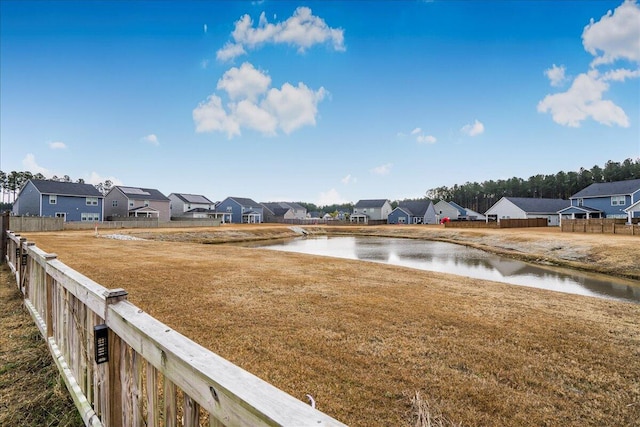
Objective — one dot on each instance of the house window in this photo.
(114, 203)
(53, 199)
(580, 202)
(617, 201)
(229, 208)
(62, 215)
(146, 203)
(92, 201)
(86, 216)
(130, 203)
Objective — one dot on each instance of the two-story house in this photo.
(69, 200)
(371, 210)
(413, 212)
(283, 212)
(127, 202)
(604, 200)
(191, 206)
(240, 210)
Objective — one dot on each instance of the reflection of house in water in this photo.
(507, 267)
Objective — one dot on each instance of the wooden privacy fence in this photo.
(151, 375)
(503, 223)
(600, 225)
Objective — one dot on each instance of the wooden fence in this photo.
(601, 225)
(503, 223)
(152, 375)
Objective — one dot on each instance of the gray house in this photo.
(413, 212)
(136, 202)
(240, 210)
(371, 210)
(191, 206)
(283, 212)
(604, 200)
(69, 200)
(527, 207)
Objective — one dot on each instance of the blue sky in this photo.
(322, 102)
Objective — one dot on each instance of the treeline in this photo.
(562, 185)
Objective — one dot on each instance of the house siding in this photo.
(29, 201)
(119, 211)
(444, 209)
(72, 206)
(604, 204)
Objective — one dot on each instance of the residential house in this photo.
(283, 212)
(413, 212)
(633, 211)
(69, 200)
(467, 214)
(371, 210)
(605, 200)
(130, 202)
(445, 209)
(240, 210)
(526, 208)
(191, 206)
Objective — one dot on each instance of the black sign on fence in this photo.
(100, 334)
(24, 259)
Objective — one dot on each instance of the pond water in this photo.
(463, 261)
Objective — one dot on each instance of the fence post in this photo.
(113, 413)
(3, 239)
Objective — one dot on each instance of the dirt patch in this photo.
(32, 393)
(363, 339)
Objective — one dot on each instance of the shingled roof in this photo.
(62, 188)
(137, 193)
(603, 189)
(533, 205)
(372, 203)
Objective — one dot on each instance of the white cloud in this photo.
(416, 131)
(94, 178)
(211, 116)
(30, 164)
(204, 28)
(293, 106)
(244, 83)
(301, 30)
(330, 197)
(382, 169)
(615, 36)
(474, 129)
(254, 105)
(349, 180)
(151, 139)
(584, 100)
(57, 145)
(556, 75)
(426, 139)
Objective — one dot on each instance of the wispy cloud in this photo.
(57, 145)
(474, 129)
(254, 105)
(382, 169)
(420, 136)
(349, 180)
(95, 178)
(301, 30)
(30, 164)
(556, 75)
(616, 36)
(151, 139)
(330, 197)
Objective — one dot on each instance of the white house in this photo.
(371, 210)
(526, 208)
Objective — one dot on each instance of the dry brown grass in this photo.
(32, 393)
(363, 338)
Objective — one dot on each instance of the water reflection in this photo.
(464, 261)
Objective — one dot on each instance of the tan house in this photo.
(136, 202)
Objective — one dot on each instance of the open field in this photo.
(363, 338)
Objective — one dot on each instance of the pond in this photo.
(463, 261)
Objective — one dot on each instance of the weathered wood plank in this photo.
(153, 415)
(170, 407)
(83, 288)
(226, 391)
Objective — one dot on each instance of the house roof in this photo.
(600, 189)
(634, 207)
(66, 188)
(200, 210)
(244, 201)
(459, 208)
(580, 209)
(137, 193)
(533, 205)
(278, 209)
(415, 207)
(193, 198)
(371, 203)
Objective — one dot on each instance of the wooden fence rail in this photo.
(154, 376)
